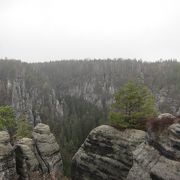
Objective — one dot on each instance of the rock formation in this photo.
(7, 159)
(26, 161)
(47, 151)
(28, 93)
(39, 157)
(31, 103)
(106, 154)
(159, 158)
(110, 154)
(149, 164)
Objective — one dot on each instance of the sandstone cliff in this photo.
(110, 154)
(28, 92)
(31, 159)
(47, 151)
(106, 154)
(159, 157)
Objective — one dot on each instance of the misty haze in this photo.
(89, 90)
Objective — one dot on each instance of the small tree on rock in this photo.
(133, 105)
(24, 128)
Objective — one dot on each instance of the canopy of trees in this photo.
(75, 81)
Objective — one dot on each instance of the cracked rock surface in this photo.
(106, 154)
(7, 159)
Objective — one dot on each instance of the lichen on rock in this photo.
(7, 159)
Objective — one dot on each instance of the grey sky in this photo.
(43, 30)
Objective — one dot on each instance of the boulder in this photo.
(106, 154)
(7, 158)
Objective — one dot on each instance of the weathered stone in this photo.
(159, 158)
(7, 159)
(42, 129)
(174, 138)
(26, 161)
(106, 154)
(47, 151)
(166, 115)
(149, 164)
(164, 135)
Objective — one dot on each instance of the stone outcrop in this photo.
(7, 159)
(159, 157)
(106, 154)
(47, 151)
(25, 158)
(166, 115)
(39, 157)
(110, 154)
(163, 134)
(149, 164)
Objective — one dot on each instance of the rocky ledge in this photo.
(110, 154)
(106, 154)
(159, 157)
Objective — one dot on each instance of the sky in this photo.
(44, 30)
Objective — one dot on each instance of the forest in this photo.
(73, 97)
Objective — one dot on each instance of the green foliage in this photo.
(7, 118)
(133, 105)
(24, 128)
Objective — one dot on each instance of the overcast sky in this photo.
(43, 30)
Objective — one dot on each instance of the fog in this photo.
(43, 30)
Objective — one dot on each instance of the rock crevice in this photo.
(31, 159)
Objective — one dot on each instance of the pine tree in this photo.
(24, 128)
(7, 118)
(133, 105)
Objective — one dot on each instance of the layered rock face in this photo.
(47, 151)
(25, 158)
(109, 154)
(39, 157)
(159, 158)
(7, 159)
(106, 154)
(149, 164)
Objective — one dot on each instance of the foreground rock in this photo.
(106, 154)
(47, 151)
(164, 135)
(39, 157)
(149, 164)
(159, 158)
(25, 158)
(7, 159)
